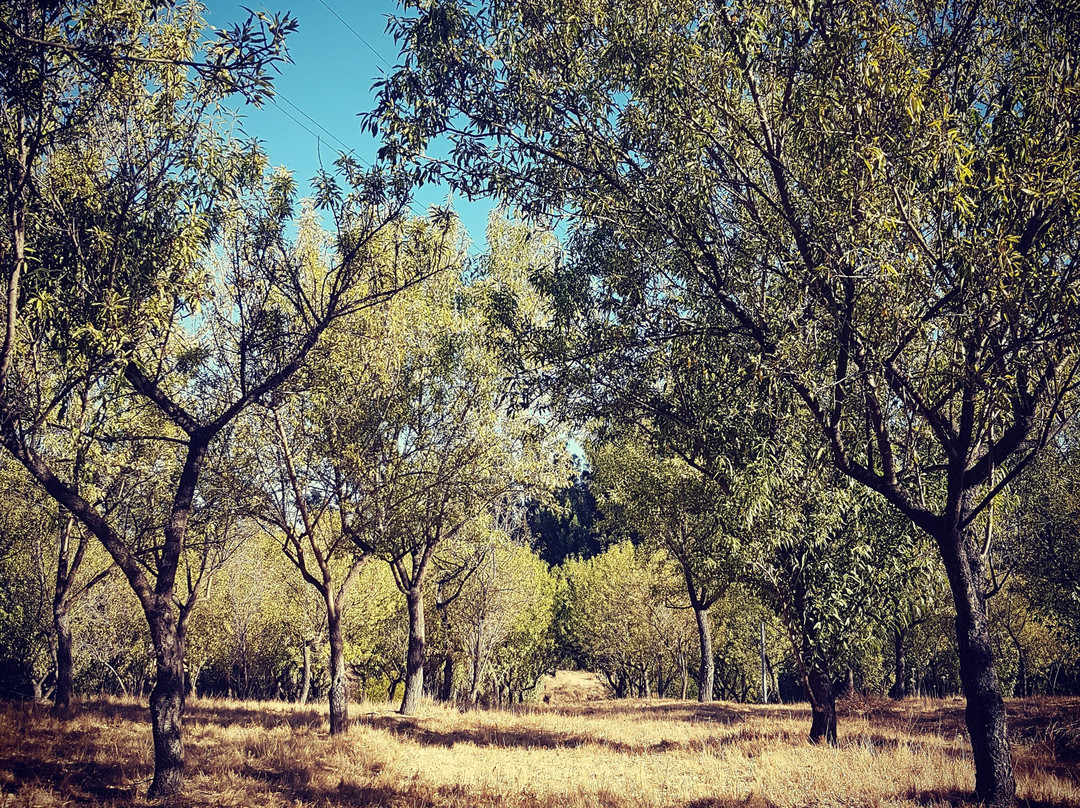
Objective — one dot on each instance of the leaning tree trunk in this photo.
(823, 705)
(167, 701)
(985, 711)
(707, 670)
(339, 686)
(414, 662)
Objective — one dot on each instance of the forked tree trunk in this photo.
(414, 662)
(823, 706)
(339, 686)
(707, 670)
(985, 710)
(167, 701)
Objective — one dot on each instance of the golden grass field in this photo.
(578, 751)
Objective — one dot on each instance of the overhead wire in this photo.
(329, 134)
(355, 33)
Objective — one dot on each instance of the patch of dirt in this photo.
(574, 687)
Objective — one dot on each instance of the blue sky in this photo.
(339, 51)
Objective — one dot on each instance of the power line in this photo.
(319, 139)
(355, 33)
(315, 123)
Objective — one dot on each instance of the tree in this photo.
(617, 615)
(434, 447)
(674, 507)
(815, 564)
(502, 613)
(879, 201)
(161, 272)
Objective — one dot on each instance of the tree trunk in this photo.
(339, 686)
(477, 666)
(823, 705)
(1021, 682)
(305, 679)
(65, 668)
(899, 688)
(167, 702)
(847, 687)
(414, 662)
(707, 670)
(685, 676)
(447, 692)
(985, 710)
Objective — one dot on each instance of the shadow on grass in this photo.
(80, 782)
(692, 712)
(415, 730)
(214, 712)
(350, 795)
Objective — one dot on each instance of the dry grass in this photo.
(572, 753)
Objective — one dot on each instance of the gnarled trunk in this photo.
(823, 705)
(167, 702)
(414, 662)
(985, 710)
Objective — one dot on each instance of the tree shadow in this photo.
(414, 730)
(81, 782)
(198, 712)
(692, 712)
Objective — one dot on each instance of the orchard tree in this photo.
(436, 447)
(878, 203)
(673, 507)
(161, 272)
(498, 617)
(617, 615)
(306, 493)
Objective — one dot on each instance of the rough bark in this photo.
(707, 670)
(167, 702)
(414, 662)
(823, 706)
(339, 685)
(985, 710)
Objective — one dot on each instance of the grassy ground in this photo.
(574, 752)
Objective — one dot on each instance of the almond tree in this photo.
(160, 270)
(435, 447)
(671, 505)
(877, 204)
(301, 472)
